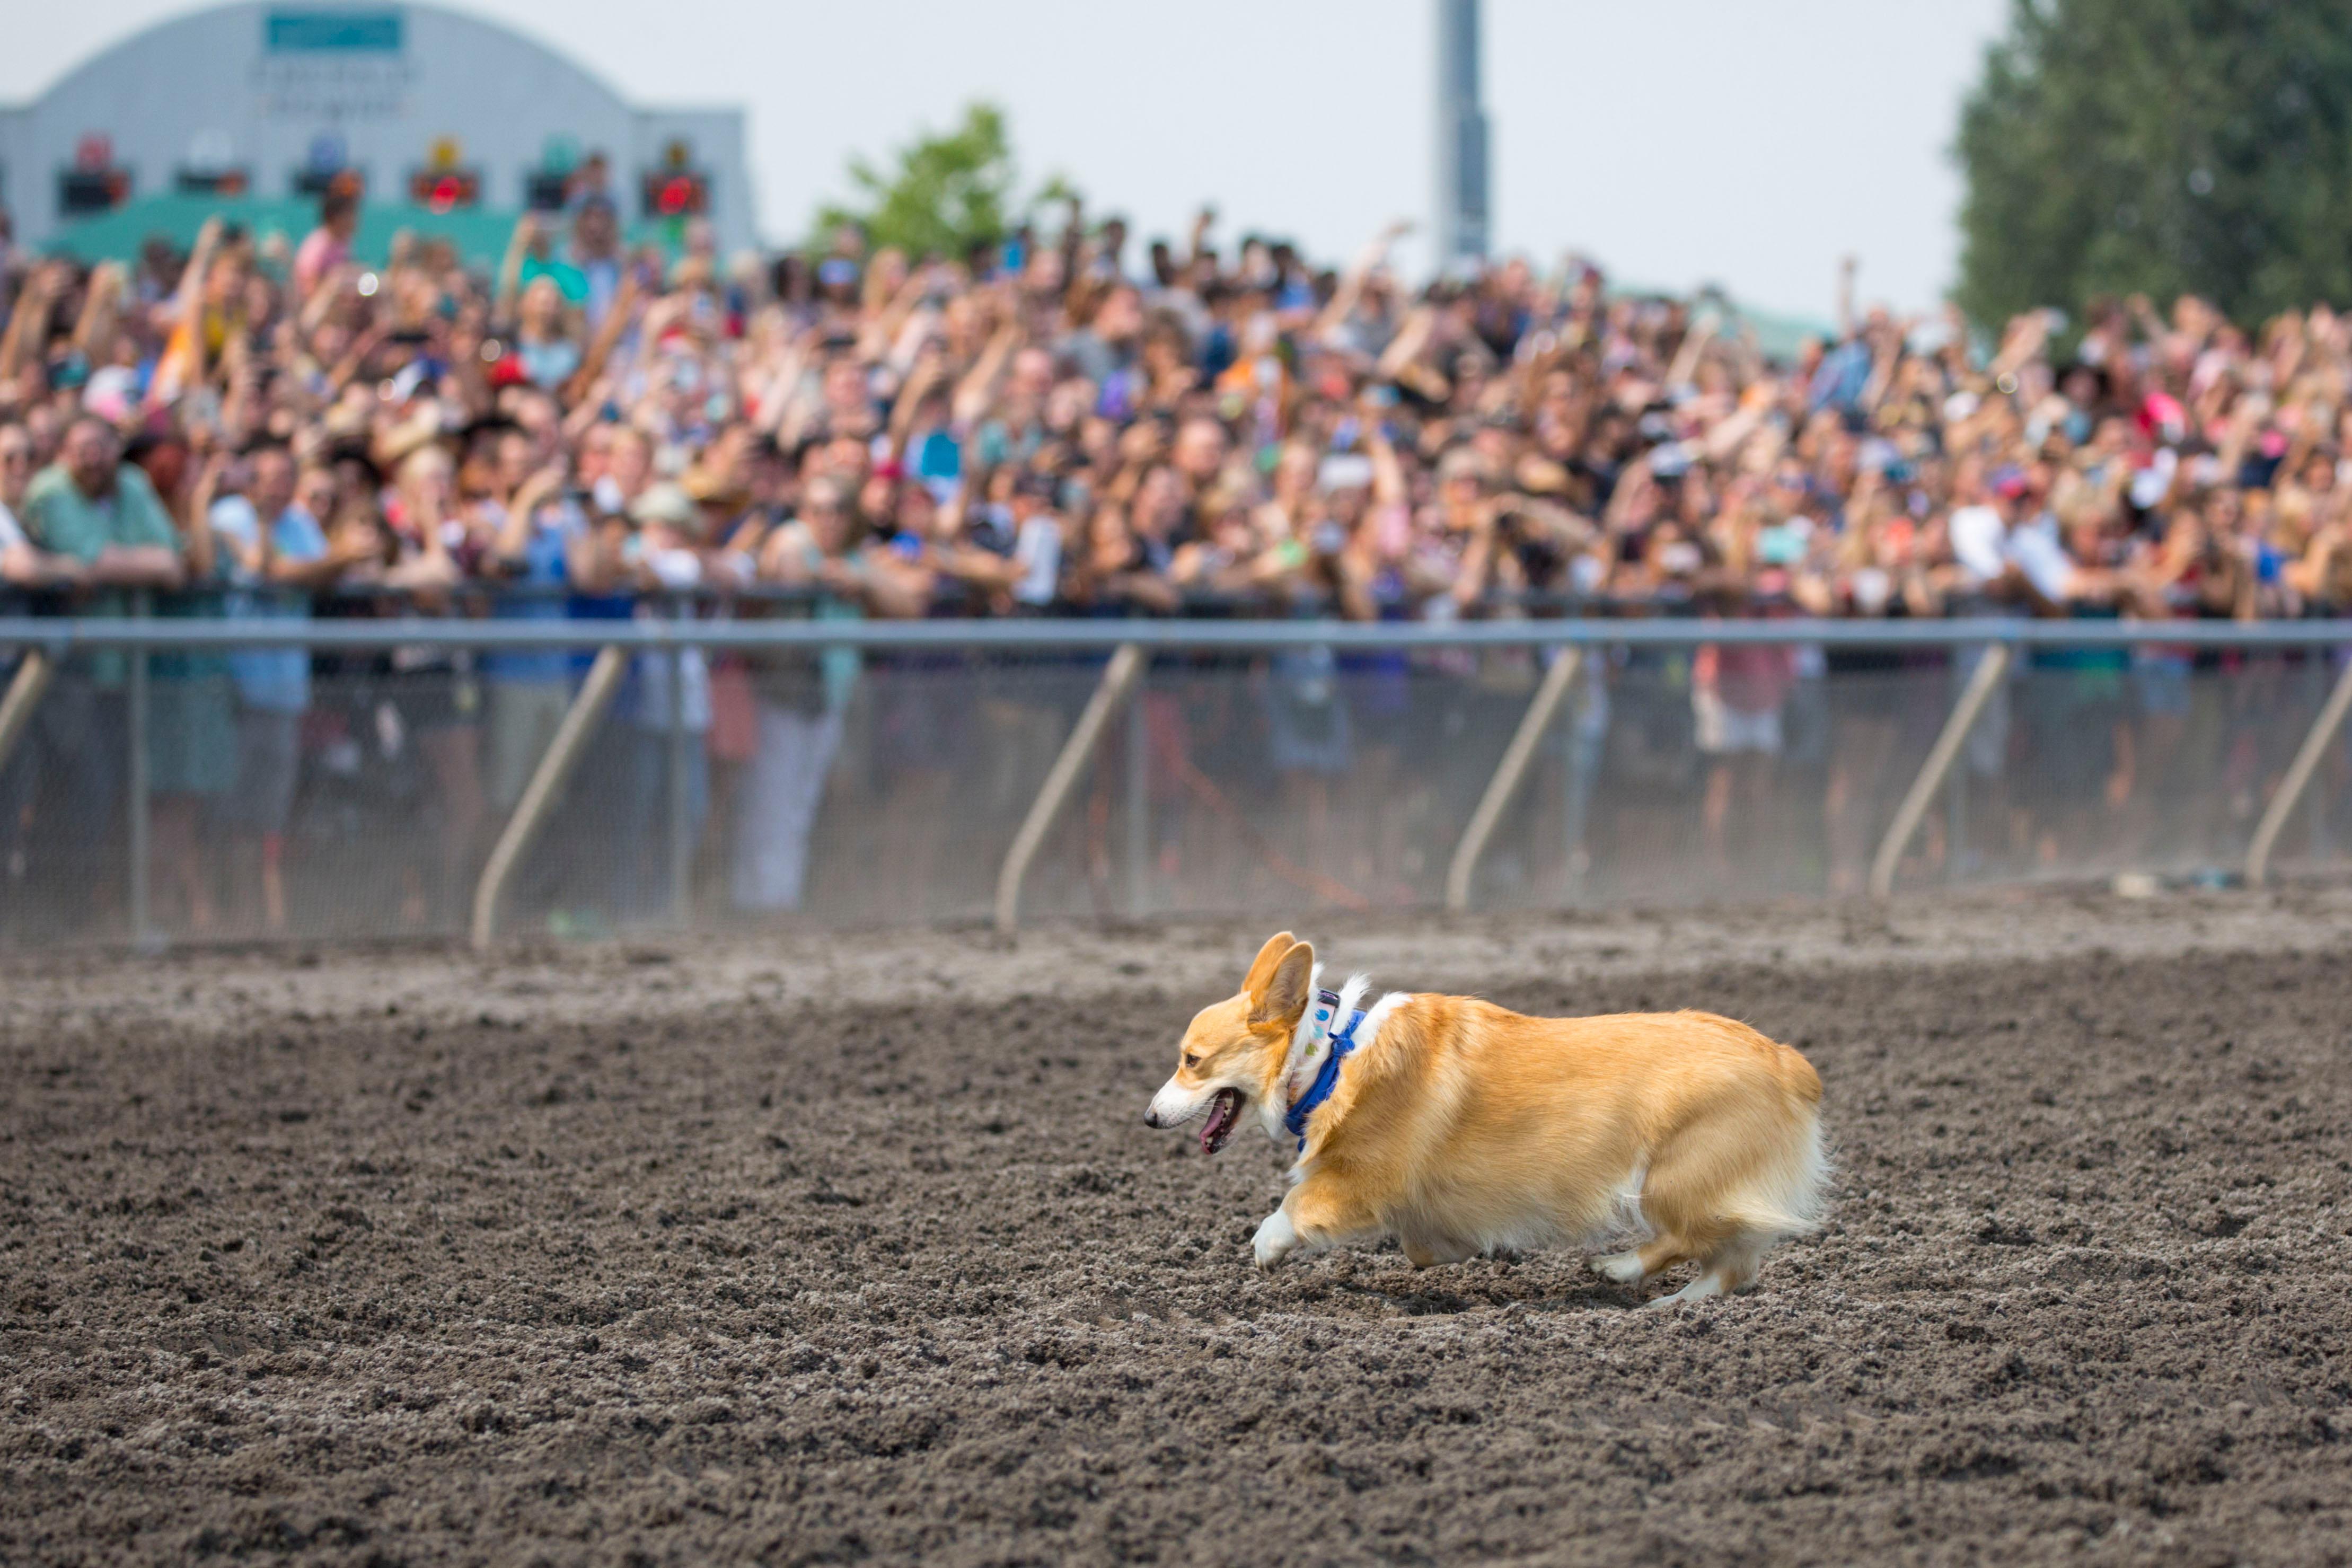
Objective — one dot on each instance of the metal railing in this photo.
(49, 644)
(64, 634)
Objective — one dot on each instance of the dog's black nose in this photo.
(1151, 1118)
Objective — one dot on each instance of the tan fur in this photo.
(1261, 968)
(1464, 1128)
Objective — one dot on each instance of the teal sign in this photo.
(332, 32)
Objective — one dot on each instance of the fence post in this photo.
(1119, 678)
(1139, 798)
(546, 782)
(1505, 784)
(135, 784)
(678, 766)
(1982, 684)
(2298, 778)
(1956, 827)
(25, 694)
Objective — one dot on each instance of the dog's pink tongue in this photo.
(1224, 1112)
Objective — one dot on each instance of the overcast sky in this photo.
(1677, 142)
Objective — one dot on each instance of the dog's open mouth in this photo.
(1224, 1111)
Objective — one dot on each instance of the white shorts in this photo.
(1723, 731)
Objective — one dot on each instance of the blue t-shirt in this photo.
(938, 458)
(544, 570)
(275, 680)
(1839, 381)
(548, 365)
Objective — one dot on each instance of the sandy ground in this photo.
(653, 974)
(840, 1248)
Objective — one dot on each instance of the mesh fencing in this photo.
(360, 797)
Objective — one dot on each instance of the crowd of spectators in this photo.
(1057, 425)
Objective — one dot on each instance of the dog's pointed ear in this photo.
(1288, 989)
(1261, 969)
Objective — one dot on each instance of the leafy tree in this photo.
(2160, 146)
(947, 193)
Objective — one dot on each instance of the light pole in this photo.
(1462, 211)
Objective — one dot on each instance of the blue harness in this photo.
(1326, 1079)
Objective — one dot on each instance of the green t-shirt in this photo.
(62, 520)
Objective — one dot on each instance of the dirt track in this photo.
(590, 1257)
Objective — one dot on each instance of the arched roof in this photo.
(276, 94)
(174, 32)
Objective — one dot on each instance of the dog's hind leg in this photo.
(1781, 1201)
(1730, 1267)
(1679, 1201)
(1723, 1194)
(1734, 1263)
(1654, 1256)
(1677, 1204)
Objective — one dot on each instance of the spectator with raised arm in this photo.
(1024, 430)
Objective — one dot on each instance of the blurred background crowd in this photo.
(1068, 422)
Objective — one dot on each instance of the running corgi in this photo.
(1462, 1129)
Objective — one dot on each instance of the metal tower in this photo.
(1462, 212)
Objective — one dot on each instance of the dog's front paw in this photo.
(1277, 1239)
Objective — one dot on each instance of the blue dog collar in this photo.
(1341, 1039)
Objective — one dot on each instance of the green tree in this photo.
(947, 193)
(2160, 146)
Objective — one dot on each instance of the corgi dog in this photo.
(1459, 1128)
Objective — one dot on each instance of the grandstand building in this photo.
(264, 104)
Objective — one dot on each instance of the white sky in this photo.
(1677, 142)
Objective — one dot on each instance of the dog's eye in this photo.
(1191, 1062)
